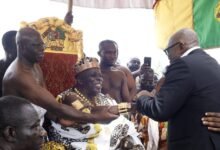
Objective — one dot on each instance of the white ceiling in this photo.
(105, 4)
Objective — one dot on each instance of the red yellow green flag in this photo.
(201, 15)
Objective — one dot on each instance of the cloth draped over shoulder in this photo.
(41, 112)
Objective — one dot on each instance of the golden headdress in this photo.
(86, 63)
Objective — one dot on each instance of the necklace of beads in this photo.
(84, 99)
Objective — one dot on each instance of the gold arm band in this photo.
(122, 110)
(124, 106)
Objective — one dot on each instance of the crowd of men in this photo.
(187, 98)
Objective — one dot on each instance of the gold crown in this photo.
(86, 63)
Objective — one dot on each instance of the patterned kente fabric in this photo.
(106, 136)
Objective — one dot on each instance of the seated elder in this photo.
(84, 96)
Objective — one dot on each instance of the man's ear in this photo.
(22, 47)
(182, 48)
(9, 133)
(21, 44)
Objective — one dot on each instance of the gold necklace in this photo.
(85, 100)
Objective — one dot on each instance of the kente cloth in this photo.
(41, 112)
(105, 136)
(153, 133)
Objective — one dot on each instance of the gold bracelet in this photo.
(122, 110)
(124, 106)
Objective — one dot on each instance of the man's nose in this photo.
(113, 56)
(100, 79)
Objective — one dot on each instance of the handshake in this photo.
(123, 108)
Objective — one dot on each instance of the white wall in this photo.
(12, 12)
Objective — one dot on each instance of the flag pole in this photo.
(70, 5)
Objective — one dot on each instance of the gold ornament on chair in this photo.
(58, 36)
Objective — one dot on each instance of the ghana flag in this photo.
(201, 15)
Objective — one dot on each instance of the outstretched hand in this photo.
(113, 110)
(212, 120)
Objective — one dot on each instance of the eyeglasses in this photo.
(170, 47)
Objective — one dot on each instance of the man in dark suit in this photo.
(191, 88)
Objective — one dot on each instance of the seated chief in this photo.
(84, 96)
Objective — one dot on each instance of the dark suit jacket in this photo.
(191, 88)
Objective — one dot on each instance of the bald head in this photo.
(180, 42)
(25, 34)
(188, 37)
(11, 110)
(105, 43)
(134, 58)
(19, 125)
(29, 45)
(134, 64)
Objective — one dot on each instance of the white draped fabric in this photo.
(108, 138)
(105, 4)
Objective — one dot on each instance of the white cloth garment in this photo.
(41, 112)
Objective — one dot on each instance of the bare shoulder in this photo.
(124, 69)
(15, 79)
(12, 83)
(12, 75)
(118, 71)
(127, 72)
(112, 71)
